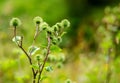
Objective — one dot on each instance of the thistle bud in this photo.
(55, 27)
(39, 57)
(15, 22)
(38, 20)
(59, 25)
(54, 41)
(65, 23)
(59, 39)
(43, 26)
(49, 30)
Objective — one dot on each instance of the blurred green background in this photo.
(84, 62)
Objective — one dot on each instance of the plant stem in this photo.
(36, 32)
(39, 72)
(15, 31)
(30, 61)
(46, 57)
(29, 58)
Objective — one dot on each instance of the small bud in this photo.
(50, 30)
(54, 41)
(59, 25)
(39, 57)
(38, 20)
(59, 65)
(65, 23)
(55, 27)
(15, 22)
(51, 37)
(59, 39)
(43, 26)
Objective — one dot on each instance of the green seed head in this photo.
(38, 20)
(38, 57)
(50, 30)
(54, 40)
(59, 65)
(55, 27)
(59, 39)
(59, 25)
(43, 26)
(65, 23)
(15, 22)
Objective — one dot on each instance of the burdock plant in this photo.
(53, 36)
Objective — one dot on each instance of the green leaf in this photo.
(55, 49)
(16, 39)
(32, 50)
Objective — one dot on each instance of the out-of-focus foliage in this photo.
(85, 46)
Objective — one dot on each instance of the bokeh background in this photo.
(85, 62)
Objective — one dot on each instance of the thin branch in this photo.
(39, 65)
(36, 32)
(15, 31)
(29, 58)
(30, 61)
(46, 57)
(21, 41)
